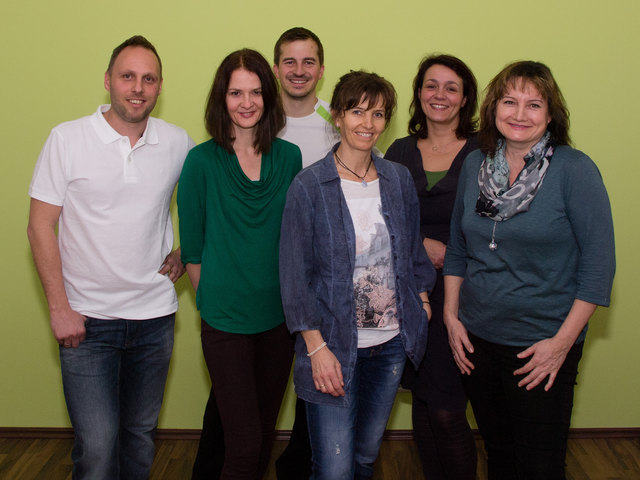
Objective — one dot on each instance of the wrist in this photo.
(448, 317)
(317, 349)
(59, 308)
(565, 341)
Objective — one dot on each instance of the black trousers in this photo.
(249, 374)
(525, 431)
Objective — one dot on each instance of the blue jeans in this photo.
(345, 440)
(113, 385)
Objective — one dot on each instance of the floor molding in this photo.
(194, 434)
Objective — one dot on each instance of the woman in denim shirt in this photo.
(354, 281)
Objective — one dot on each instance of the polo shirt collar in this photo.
(107, 134)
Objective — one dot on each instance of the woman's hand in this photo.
(427, 308)
(458, 338)
(426, 305)
(547, 356)
(459, 343)
(435, 251)
(327, 372)
(325, 367)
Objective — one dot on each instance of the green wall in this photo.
(53, 56)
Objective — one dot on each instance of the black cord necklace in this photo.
(362, 178)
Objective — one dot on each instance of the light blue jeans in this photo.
(113, 385)
(345, 440)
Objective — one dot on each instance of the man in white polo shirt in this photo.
(106, 182)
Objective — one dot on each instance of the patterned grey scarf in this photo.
(497, 200)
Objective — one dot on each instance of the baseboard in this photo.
(391, 435)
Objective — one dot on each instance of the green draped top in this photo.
(231, 226)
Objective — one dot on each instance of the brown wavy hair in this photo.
(217, 120)
(517, 75)
(354, 87)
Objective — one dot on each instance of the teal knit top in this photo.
(561, 250)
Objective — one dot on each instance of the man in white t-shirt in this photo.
(106, 182)
(299, 65)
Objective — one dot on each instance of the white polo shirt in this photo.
(115, 227)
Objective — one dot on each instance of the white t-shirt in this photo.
(313, 134)
(115, 227)
(374, 286)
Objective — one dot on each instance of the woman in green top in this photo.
(230, 200)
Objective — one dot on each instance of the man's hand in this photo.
(172, 266)
(68, 327)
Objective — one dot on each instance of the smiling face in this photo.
(441, 95)
(299, 69)
(134, 84)
(361, 126)
(244, 100)
(522, 115)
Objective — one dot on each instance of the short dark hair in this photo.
(294, 34)
(514, 75)
(467, 122)
(217, 119)
(356, 87)
(135, 41)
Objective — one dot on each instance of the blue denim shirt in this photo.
(317, 258)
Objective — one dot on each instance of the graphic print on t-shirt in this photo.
(373, 281)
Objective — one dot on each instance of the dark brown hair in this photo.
(467, 123)
(518, 75)
(217, 120)
(135, 41)
(356, 87)
(294, 34)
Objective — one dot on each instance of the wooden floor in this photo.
(49, 459)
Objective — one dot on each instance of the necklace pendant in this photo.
(364, 183)
(493, 246)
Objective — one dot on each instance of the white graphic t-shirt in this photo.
(373, 277)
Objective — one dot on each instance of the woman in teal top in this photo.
(530, 256)
(230, 200)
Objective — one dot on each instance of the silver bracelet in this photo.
(322, 345)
